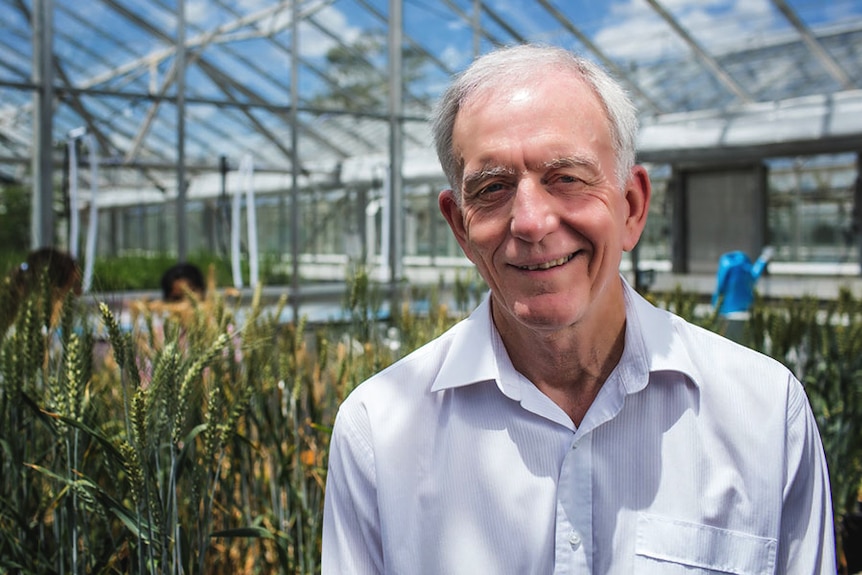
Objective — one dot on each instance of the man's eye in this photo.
(490, 188)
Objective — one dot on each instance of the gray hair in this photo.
(516, 66)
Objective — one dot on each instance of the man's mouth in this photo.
(548, 265)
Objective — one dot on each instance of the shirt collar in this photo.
(654, 333)
(653, 343)
(470, 358)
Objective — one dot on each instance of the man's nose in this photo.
(533, 215)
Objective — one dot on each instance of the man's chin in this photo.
(545, 312)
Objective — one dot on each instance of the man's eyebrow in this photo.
(488, 171)
(570, 162)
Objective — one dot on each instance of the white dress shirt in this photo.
(697, 456)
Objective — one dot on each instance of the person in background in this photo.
(181, 279)
(568, 425)
(49, 264)
(735, 281)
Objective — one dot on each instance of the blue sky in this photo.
(627, 31)
(631, 30)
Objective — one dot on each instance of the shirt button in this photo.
(574, 539)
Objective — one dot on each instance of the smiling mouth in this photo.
(548, 265)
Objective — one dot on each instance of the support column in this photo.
(42, 212)
(182, 224)
(396, 145)
(857, 210)
(679, 226)
(294, 161)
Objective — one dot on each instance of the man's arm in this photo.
(807, 543)
(761, 262)
(351, 522)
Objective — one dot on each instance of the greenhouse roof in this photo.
(707, 76)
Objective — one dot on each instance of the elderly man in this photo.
(568, 426)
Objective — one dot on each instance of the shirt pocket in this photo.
(663, 544)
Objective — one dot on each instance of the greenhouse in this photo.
(768, 93)
(286, 145)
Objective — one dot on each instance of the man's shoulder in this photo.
(411, 375)
(712, 343)
(725, 365)
(705, 354)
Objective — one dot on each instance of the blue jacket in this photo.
(736, 278)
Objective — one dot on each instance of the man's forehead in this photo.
(518, 94)
(521, 86)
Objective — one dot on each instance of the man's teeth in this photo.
(549, 265)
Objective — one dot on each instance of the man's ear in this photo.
(454, 217)
(637, 197)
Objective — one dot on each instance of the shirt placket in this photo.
(574, 526)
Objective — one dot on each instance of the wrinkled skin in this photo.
(545, 221)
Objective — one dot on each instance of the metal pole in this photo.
(362, 223)
(477, 28)
(182, 228)
(857, 209)
(636, 276)
(42, 213)
(294, 159)
(223, 214)
(396, 144)
(432, 221)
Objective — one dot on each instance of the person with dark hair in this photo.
(63, 272)
(568, 425)
(181, 279)
(52, 265)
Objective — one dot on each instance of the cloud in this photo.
(456, 56)
(637, 33)
(314, 43)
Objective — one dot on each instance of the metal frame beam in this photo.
(42, 220)
(603, 58)
(834, 69)
(711, 63)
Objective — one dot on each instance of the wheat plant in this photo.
(193, 438)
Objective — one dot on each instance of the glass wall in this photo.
(810, 219)
(810, 209)
(655, 240)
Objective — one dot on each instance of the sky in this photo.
(631, 29)
(628, 31)
(101, 47)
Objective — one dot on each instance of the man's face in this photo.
(542, 215)
(180, 288)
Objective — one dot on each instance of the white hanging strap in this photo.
(245, 185)
(74, 216)
(93, 224)
(251, 219)
(74, 202)
(235, 233)
(385, 225)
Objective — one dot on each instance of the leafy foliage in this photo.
(193, 437)
(143, 271)
(14, 220)
(355, 82)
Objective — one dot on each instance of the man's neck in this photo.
(569, 366)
